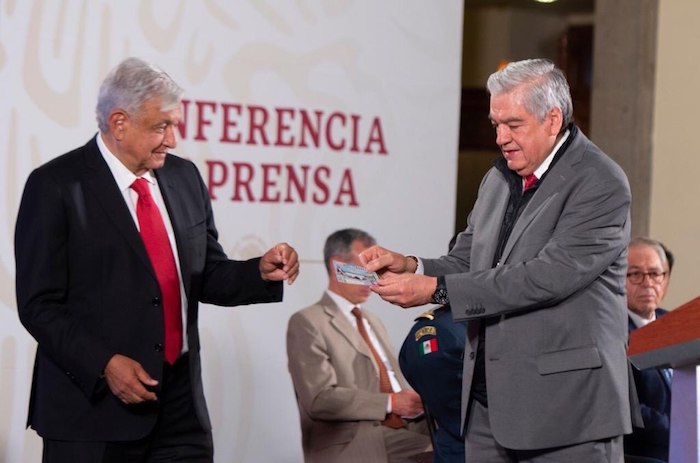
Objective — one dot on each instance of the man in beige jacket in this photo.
(345, 414)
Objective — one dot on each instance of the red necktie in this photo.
(393, 420)
(155, 239)
(530, 181)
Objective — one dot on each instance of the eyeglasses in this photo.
(638, 277)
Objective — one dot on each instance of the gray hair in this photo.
(664, 253)
(545, 87)
(129, 85)
(339, 243)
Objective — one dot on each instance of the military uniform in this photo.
(431, 360)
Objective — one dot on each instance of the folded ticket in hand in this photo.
(354, 274)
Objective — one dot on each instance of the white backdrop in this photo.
(303, 116)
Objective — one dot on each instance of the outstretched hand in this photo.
(406, 290)
(398, 282)
(385, 262)
(280, 263)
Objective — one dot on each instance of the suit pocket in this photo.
(327, 434)
(569, 360)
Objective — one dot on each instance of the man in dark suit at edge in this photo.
(649, 265)
(539, 275)
(115, 246)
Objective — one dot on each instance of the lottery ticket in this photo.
(354, 274)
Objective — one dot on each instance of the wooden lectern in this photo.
(674, 341)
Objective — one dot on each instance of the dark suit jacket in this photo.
(436, 374)
(555, 355)
(654, 392)
(86, 290)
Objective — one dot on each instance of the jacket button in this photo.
(158, 347)
(155, 301)
(471, 355)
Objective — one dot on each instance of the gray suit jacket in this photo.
(556, 364)
(336, 384)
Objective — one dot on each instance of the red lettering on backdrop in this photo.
(213, 180)
(257, 121)
(269, 182)
(243, 176)
(299, 184)
(320, 180)
(337, 146)
(307, 127)
(228, 122)
(346, 189)
(376, 136)
(202, 119)
(282, 127)
(282, 183)
(355, 122)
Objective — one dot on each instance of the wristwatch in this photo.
(440, 294)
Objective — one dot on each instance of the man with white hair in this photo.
(649, 265)
(539, 276)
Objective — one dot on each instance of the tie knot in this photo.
(357, 312)
(140, 186)
(530, 181)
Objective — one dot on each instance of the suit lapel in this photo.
(344, 328)
(555, 181)
(174, 203)
(484, 245)
(537, 203)
(100, 182)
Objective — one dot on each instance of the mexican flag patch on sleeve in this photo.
(426, 347)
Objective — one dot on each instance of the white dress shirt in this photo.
(124, 178)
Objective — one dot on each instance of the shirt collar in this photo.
(539, 172)
(343, 304)
(123, 176)
(641, 321)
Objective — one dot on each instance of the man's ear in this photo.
(117, 123)
(555, 119)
